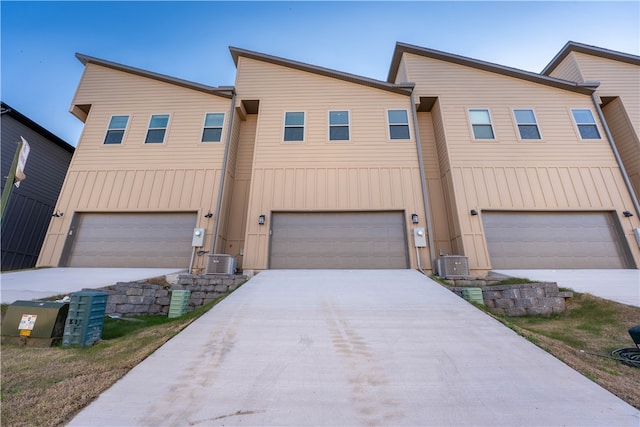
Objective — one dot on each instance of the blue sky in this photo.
(190, 40)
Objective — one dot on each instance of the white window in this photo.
(481, 124)
(398, 124)
(527, 124)
(115, 131)
(213, 123)
(157, 129)
(338, 125)
(586, 124)
(294, 126)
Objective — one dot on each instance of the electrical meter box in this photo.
(198, 237)
(420, 237)
(35, 323)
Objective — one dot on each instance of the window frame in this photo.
(534, 123)
(124, 130)
(594, 124)
(205, 127)
(339, 125)
(285, 126)
(490, 124)
(166, 128)
(390, 125)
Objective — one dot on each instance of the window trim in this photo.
(348, 125)
(471, 124)
(535, 122)
(205, 127)
(577, 125)
(124, 130)
(166, 129)
(285, 126)
(389, 124)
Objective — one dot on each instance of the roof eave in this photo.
(402, 48)
(223, 92)
(404, 89)
(589, 50)
(13, 113)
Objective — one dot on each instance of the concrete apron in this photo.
(338, 348)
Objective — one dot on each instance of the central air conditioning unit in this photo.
(453, 266)
(220, 264)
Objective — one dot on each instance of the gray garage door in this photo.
(131, 240)
(545, 240)
(338, 240)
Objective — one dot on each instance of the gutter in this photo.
(612, 143)
(224, 171)
(423, 183)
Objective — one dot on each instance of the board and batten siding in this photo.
(558, 172)
(180, 175)
(618, 80)
(31, 205)
(368, 172)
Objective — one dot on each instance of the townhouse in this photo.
(299, 166)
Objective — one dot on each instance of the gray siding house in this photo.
(30, 207)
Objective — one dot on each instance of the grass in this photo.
(588, 330)
(49, 386)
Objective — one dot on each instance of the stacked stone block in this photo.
(144, 298)
(520, 300)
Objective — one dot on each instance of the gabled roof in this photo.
(26, 121)
(402, 48)
(589, 50)
(223, 92)
(404, 89)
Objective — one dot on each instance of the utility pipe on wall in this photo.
(612, 143)
(423, 183)
(224, 171)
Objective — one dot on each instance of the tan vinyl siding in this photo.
(435, 191)
(616, 78)
(627, 141)
(561, 171)
(182, 174)
(368, 172)
(568, 70)
(236, 208)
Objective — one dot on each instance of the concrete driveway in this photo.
(28, 285)
(616, 285)
(351, 348)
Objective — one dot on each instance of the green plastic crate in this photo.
(473, 295)
(179, 303)
(85, 319)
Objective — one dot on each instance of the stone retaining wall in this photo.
(520, 300)
(153, 296)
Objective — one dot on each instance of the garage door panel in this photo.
(134, 240)
(338, 240)
(554, 240)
